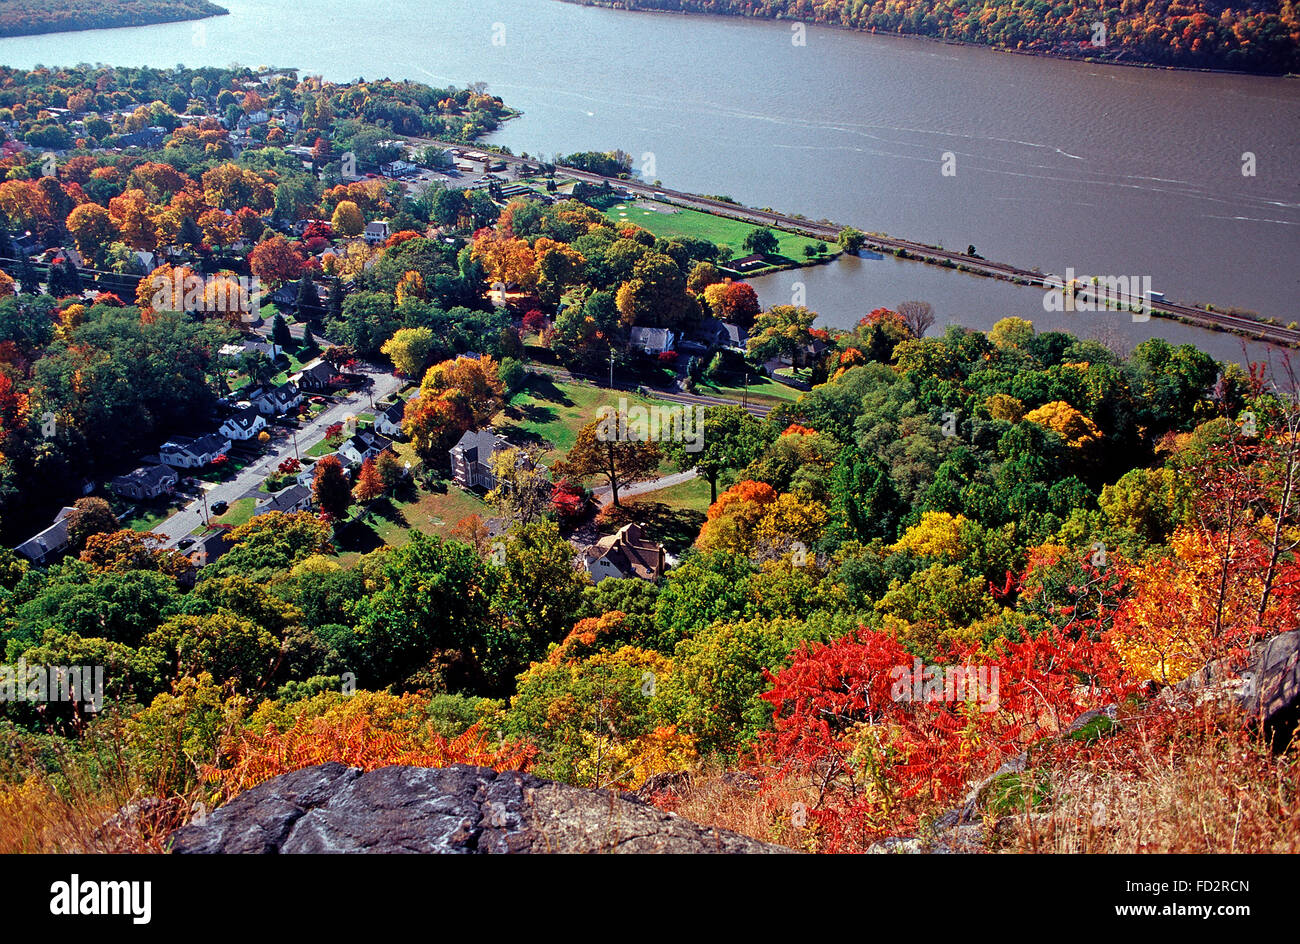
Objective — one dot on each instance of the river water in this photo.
(1052, 164)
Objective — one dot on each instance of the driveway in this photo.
(604, 495)
(250, 477)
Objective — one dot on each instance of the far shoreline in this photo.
(940, 40)
(161, 18)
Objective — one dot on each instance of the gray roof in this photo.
(150, 475)
(476, 442)
(247, 417)
(197, 445)
(286, 499)
(51, 539)
(651, 337)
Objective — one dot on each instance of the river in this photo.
(1055, 164)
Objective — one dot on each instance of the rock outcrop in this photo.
(457, 809)
(1265, 685)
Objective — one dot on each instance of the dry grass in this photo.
(81, 817)
(731, 799)
(1191, 781)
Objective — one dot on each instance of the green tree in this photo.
(730, 439)
(761, 241)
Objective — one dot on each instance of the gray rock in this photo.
(1265, 685)
(457, 809)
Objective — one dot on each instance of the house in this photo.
(42, 548)
(186, 452)
(272, 350)
(716, 333)
(293, 498)
(211, 546)
(376, 232)
(243, 425)
(316, 377)
(145, 482)
(389, 421)
(399, 169)
(151, 137)
(366, 444)
(627, 553)
(747, 263)
(470, 458)
(273, 401)
(652, 340)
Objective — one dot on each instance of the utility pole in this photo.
(207, 520)
(744, 399)
(611, 368)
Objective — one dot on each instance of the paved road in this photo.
(604, 494)
(247, 479)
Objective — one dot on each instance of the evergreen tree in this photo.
(280, 331)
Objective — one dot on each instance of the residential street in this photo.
(250, 477)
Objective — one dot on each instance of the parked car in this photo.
(183, 543)
(219, 507)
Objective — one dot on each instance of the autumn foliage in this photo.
(367, 730)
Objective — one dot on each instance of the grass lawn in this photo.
(761, 390)
(238, 513)
(798, 373)
(716, 229)
(673, 516)
(550, 414)
(390, 522)
(148, 515)
(323, 448)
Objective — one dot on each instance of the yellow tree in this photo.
(347, 219)
(1075, 428)
(409, 350)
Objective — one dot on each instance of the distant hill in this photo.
(27, 17)
(1260, 36)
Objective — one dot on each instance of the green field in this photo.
(673, 515)
(716, 229)
(763, 390)
(436, 513)
(549, 413)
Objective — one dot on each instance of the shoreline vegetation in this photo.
(1189, 36)
(38, 17)
(1213, 317)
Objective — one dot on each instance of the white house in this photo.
(389, 421)
(366, 444)
(273, 401)
(376, 231)
(186, 452)
(243, 425)
(652, 340)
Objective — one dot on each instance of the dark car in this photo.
(183, 543)
(219, 507)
